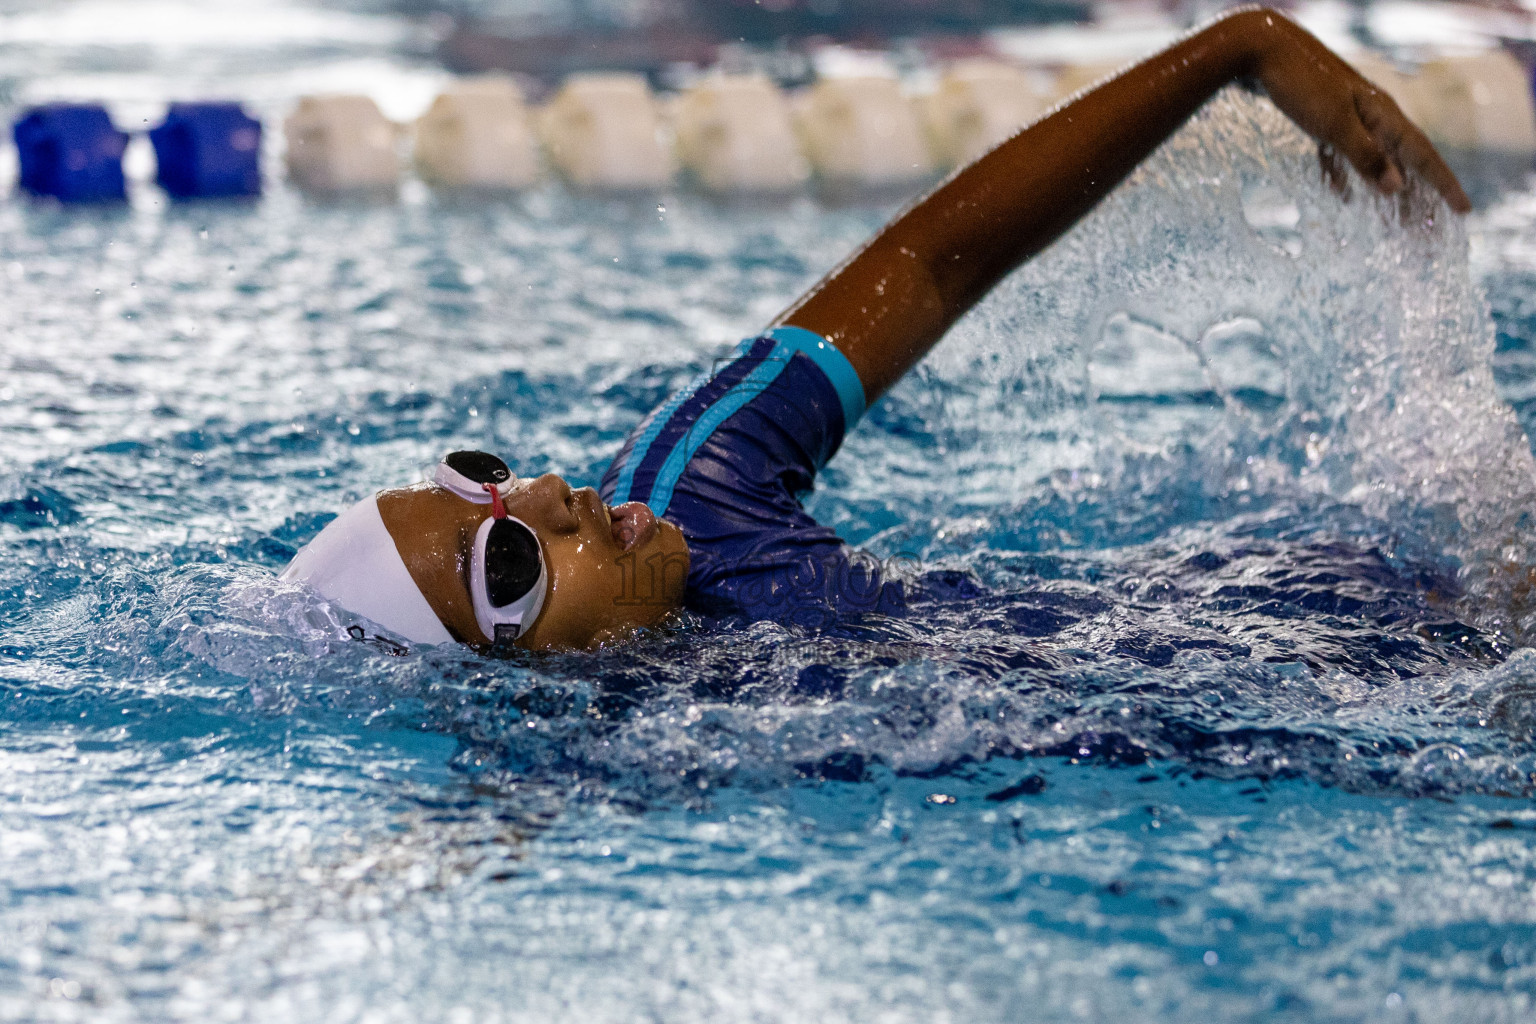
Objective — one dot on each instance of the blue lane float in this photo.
(208, 150)
(71, 151)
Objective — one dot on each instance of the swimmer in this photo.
(700, 508)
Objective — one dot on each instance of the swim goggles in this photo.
(507, 577)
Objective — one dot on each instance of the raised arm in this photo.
(892, 301)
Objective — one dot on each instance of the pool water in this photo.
(1228, 714)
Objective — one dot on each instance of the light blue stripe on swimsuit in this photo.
(752, 385)
(787, 341)
(642, 445)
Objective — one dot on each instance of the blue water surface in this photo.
(1203, 733)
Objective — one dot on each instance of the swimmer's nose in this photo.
(545, 503)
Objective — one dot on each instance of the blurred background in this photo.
(732, 95)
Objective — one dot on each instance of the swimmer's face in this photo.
(611, 570)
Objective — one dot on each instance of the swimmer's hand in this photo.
(1348, 115)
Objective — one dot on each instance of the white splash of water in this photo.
(1355, 314)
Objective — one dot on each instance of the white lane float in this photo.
(478, 135)
(341, 144)
(735, 134)
(1382, 72)
(979, 103)
(862, 131)
(1072, 79)
(604, 132)
(1479, 101)
(1464, 102)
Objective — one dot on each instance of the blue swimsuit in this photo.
(727, 458)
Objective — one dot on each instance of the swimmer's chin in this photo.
(603, 640)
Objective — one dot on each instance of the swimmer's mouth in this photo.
(633, 524)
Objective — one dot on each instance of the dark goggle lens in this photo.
(511, 562)
(480, 467)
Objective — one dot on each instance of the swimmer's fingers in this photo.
(1405, 148)
(1368, 150)
(1418, 154)
(1335, 169)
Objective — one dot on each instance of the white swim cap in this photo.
(354, 562)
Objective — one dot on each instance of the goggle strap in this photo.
(498, 509)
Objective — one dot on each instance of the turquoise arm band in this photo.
(844, 378)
